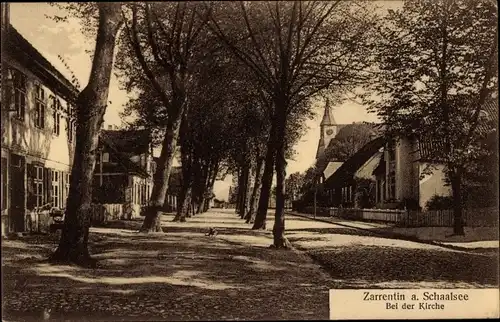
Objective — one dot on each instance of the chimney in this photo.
(5, 18)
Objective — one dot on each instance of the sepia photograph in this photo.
(249, 160)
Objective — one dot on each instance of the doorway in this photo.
(17, 193)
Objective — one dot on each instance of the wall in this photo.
(40, 145)
(432, 184)
(24, 137)
(404, 164)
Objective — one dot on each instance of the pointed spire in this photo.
(327, 116)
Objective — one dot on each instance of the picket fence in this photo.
(102, 213)
(486, 217)
(40, 221)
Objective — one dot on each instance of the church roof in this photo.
(327, 116)
(348, 169)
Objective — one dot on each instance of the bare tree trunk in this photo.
(267, 180)
(191, 206)
(244, 190)
(238, 194)
(186, 204)
(250, 185)
(280, 241)
(91, 106)
(161, 177)
(184, 201)
(201, 206)
(210, 188)
(250, 216)
(206, 205)
(456, 187)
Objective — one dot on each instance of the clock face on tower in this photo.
(329, 132)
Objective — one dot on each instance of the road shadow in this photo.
(181, 275)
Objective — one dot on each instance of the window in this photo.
(392, 185)
(38, 185)
(105, 157)
(380, 196)
(19, 82)
(55, 104)
(66, 187)
(55, 188)
(39, 106)
(70, 127)
(57, 120)
(391, 176)
(4, 184)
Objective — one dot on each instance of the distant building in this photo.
(123, 171)
(38, 132)
(219, 203)
(393, 174)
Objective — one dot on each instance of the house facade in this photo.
(407, 176)
(38, 132)
(124, 170)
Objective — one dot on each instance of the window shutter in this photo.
(47, 185)
(31, 198)
(36, 111)
(43, 116)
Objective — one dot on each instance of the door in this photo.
(17, 193)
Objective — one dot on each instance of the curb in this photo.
(394, 235)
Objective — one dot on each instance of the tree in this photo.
(293, 184)
(91, 105)
(295, 129)
(295, 50)
(437, 66)
(161, 49)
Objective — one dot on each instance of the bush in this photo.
(439, 203)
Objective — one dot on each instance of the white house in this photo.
(38, 131)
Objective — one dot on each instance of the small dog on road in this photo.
(212, 232)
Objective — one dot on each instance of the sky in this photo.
(52, 39)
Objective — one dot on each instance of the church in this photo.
(328, 131)
(345, 154)
(352, 137)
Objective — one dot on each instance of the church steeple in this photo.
(327, 116)
(328, 129)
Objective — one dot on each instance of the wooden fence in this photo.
(487, 217)
(102, 213)
(40, 221)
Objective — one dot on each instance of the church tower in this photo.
(328, 130)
